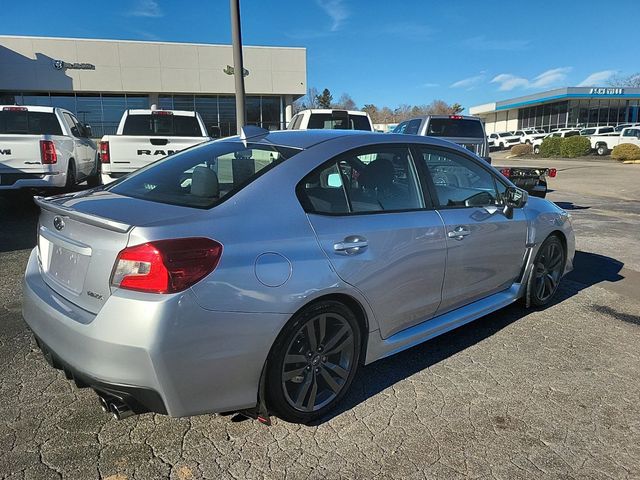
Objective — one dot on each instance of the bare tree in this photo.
(632, 81)
(345, 102)
(308, 101)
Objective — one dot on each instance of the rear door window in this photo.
(455, 127)
(162, 124)
(29, 123)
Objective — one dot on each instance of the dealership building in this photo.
(562, 107)
(99, 79)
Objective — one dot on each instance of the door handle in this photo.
(459, 233)
(351, 245)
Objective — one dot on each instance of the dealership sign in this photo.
(606, 91)
(62, 65)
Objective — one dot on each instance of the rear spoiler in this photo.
(106, 223)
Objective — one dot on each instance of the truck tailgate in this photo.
(21, 153)
(129, 152)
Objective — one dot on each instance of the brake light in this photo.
(166, 266)
(552, 172)
(506, 172)
(15, 109)
(48, 154)
(455, 117)
(161, 112)
(104, 152)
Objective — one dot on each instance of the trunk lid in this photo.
(131, 152)
(80, 236)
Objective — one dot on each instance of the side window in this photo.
(571, 134)
(459, 181)
(73, 125)
(375, 179)
(413, 126)
(400, 128)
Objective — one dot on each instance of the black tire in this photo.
(536, 149)
(527, 142)
(501, 146)
(323, 377)
(548, 268)
(602, 150)
(95, 179)
(71, 175)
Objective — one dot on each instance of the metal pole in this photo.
(238, 65)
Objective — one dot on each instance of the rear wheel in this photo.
(536, 149)
(602, 149)
(548, 268)
(313, 362)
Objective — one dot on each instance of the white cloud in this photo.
(597, 78)
(146, 8)
(508, 81)
(336, 10)
(469, 82)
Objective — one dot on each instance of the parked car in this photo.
(463, 130)
(622, 126)
(602, 144)
(186, 288)
(528, 135)
(585, 132)
(44, 147)
(503, 140)
(314, 119)
(560, 133)
(144, 136)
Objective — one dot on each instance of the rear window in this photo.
(451, 127)
(202, 176)
(338, 121)
(29, 123)
(162, 125)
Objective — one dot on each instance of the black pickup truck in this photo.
(531, 179)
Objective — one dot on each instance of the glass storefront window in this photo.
(253, 111)
(271, 113)
(113, 106)
(68, 102)
(227, 110)
(40, 99)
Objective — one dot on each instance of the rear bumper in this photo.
(165, 352)
(16, 181)
(138, 399)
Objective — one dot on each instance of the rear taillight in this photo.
(553, 172)
(455, 117)
(48, 154)
(166, 266)
(506, 172)
(104, 152)
(15, 109)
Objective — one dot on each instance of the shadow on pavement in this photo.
(570, 206)
(18, 221)
(591, 269)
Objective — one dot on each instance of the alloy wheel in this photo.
(318, 362)
(548, 271)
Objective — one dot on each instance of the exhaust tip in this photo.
(119, 410)
(104, 404)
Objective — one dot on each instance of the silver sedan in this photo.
(256, 274)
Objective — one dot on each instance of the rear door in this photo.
(83, 150)
(379, 233)
(485, 249)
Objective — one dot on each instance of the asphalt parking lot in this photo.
(519, 394)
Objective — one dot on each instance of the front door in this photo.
(372, 222)
(485, 249)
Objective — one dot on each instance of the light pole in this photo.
(238, 66)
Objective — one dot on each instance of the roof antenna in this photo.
(252, 132)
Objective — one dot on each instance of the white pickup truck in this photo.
(144, 136)
(44, 147)
(603, 144)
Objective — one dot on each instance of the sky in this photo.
(382, 52)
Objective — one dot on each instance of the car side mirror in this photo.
(87, 131)
(515, 197)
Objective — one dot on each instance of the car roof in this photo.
(331, 110)
(147, 111)
(32, 108)
(305, 139)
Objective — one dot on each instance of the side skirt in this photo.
(379, 348)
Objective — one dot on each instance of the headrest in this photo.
(204, 182)
(378, 174)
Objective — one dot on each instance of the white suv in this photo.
(562, 134)
(503, 140)
(333, 119)
(528, 135)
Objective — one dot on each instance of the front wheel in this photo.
(548, 268)
(536, 149)
(95, 179)
(313, 362)
(602, 150)
(71, 176)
